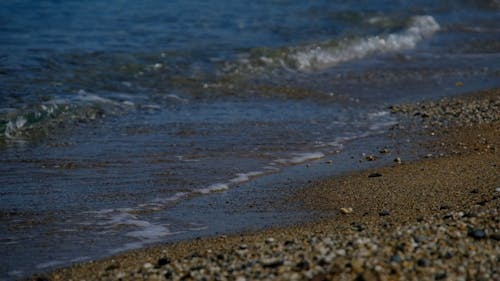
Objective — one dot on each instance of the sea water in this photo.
(127, 123)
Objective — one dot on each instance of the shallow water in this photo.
(126, 123)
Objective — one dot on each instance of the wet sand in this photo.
(432, 219)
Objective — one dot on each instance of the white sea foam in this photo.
(48, 264)
(128, 103)
(301, 158)
(216, 187)
(80, 259)
(177, 98)
(177, 196)
(88, 97)
(244, 177)
(240, 178)
(182, 158)
(123, 218)
(13, 126)
(373, 115)
(150, 232)
(320, 57)
(271, 167)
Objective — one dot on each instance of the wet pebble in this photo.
(384, 151)
(370, 158)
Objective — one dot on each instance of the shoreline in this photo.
(382, 209)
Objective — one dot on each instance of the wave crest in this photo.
(323, 55)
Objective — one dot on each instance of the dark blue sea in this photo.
(129, 123)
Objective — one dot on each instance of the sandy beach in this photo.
(431, 219)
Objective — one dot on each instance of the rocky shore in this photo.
(433, 219)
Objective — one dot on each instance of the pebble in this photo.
(357, 226)
(440, 275)
(423, 262)
(113, 266)
(163, 261)
(395, 258)
(394, 253)
(495, 236)
(272, 263)
(302, 265)
(476, 233)
(384, 213)
(370, 158)
(462, 246)
(346, 210)
(398, 160)
(270, 240)
(374, 175)
(384, 151)
(455, 111)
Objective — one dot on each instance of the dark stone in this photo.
(482, 203)
(357, 226)
(423, 262)
(447, 216)
(112, 266)
(444, 207)
(302, 265)
(401, 247)
(495, 236)
(168, 274)
(220, 256)
(448, 256)
(289, 242)
(474, 191)
(195, 255)
(163, 261)
(322, 262)
(42, 278)
(395, 258)
(384, 150)
(440, 275)
(470, 215)
(420, 219)
(374, 175)
(476, 233)
(384, 213)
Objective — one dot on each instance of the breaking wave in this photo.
(324, 55)
(44, 118)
